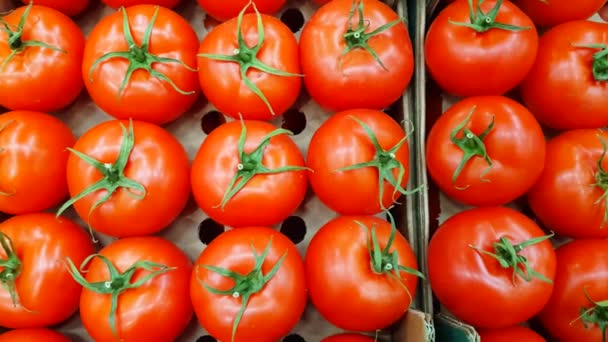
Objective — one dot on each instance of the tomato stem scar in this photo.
(15, 38)
(482, 22)
(471, 145)
(507, 255)
(597, 314)
(118, 282)
(11, 269)
(113, 176)
(2, 128)
(139, 56)
(600, 60)
(246, 57)
(601, 180)
(246, 285)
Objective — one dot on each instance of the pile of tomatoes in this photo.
(129, 178)
(528, 128)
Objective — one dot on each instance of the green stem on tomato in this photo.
(245, 285)
(2, 128)
(11, 269)
(482, 22)
(601, 181)
(596, 315)
(600, 60)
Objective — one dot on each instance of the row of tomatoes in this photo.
(491, 266)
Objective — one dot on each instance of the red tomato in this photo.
(342, 141)
(347, 286)
(256, 78)
(33, 158)
(473, 285)
(346, 338)
(150, 285)
(257, 198)
(27, 71)
(479, 58)
(145, 76)
(33, 335)
(569, 196)
(128, 3)
(564, 66)
(578, 303)
(224, 10)
(67, 7)
(262, 294)
(511, 334)
(144, 184)
(555, 12)
(337, 47)
(486, 150)
(320, 2)
(34, 252)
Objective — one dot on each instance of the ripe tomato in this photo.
(256, 294)
(148, 278)
(33, 160)
(555, 12)
(132, 73)
(347, 43)
(565, 66)
(223, 10)
(320, 2)
(33, 335)
(486, 150)
(128, 3)
(128, 182)
(578, 304)
(250, 68)
(240, 177)
(33, 252)
(67, 7)
(471, 54)
(491, 291)
(342, 141)
(511, 334)
(569, 197)
(46, 44)
(346, 338)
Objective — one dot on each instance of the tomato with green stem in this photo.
(249, 66)
(256, 294)
(36, 288)
(224, 10)
(346, 338)
(140, 63)
(124, 275)
(249, 173)
(347, 43)
(567, 86)
(570, 195)
(546, 13)
(33, 335)
(492, 267)
(361, 147)
(37, 44)
(67, 7)
(128, 3)
(33, 158)
(127, 182)
(485, 150)
(349, 251)
(510, 334)
(479, 47)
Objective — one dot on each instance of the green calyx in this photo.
(245, 285)
(15, 37)
(139, 57)
(113, 175)
(482, 22)
(471, 145)
(118, 282)
(601, 180)
(250, 164)
(507, 255)
(11, 269)
(595, 315)
(2, 128)
(357, 38)
(246, 57)
(600, 61)
(385, 161)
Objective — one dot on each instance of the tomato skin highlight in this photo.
(555, 12)
(128, 3)
(475, 287)
(68, 7)
(33, 335)
(145, 97)
(25, 79)
(224, 10)
(44, 285)
(515, 333)
(347, 338)
(563, 68)
(515, 145)
(342, 284)
(33, 161)
(340, 82)
(461, 60)
(158, 162)
(166, 295)
(272, 312)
